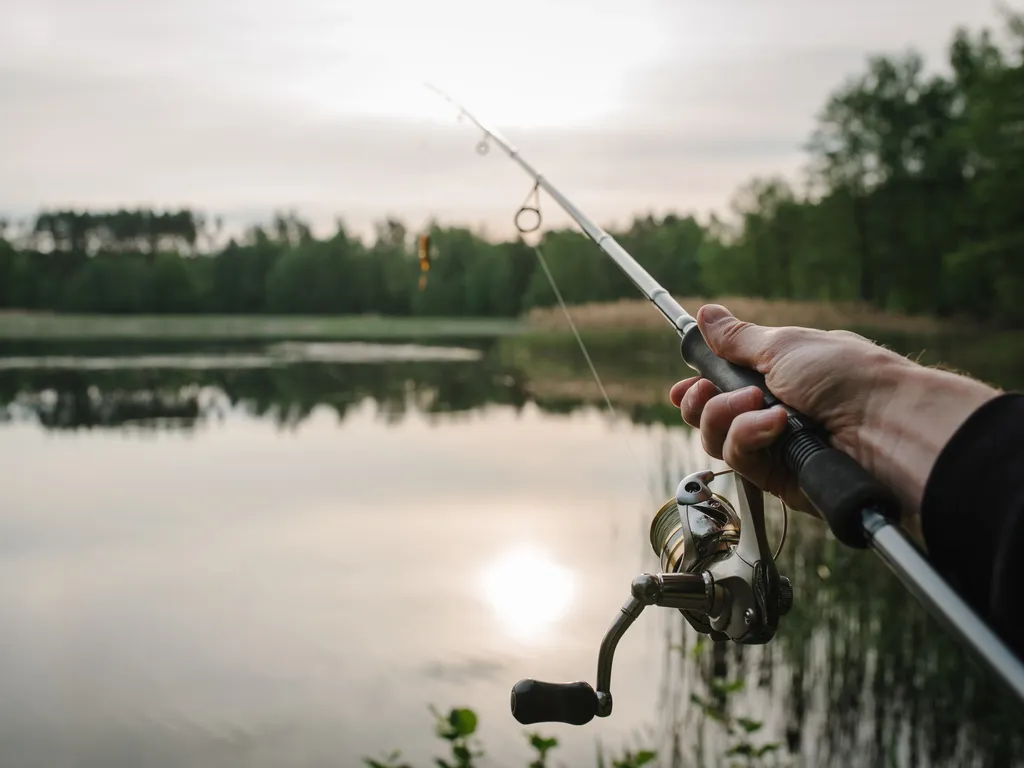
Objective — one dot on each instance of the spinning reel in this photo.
(717, 570)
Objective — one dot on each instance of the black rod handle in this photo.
(837, 486)
(537, 702)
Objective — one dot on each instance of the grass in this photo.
(638, 314)
(621, 317)
(57, 327)
(638, 364)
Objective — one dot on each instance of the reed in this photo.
(637, 314)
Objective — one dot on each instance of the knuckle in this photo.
(733, 332)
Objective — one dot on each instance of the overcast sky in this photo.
(238, 107)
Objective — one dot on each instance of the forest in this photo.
(912, 199)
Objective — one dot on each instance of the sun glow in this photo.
(528, 591)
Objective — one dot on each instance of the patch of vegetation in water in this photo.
(150, 328)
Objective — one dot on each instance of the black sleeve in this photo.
(972, 515)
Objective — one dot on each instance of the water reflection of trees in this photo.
(71, 398)
(182, 395)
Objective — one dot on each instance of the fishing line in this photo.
(534, 198)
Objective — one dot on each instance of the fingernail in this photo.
(713, 313)
(766, 419)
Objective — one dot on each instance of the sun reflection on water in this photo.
(528, 591)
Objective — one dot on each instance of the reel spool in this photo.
(717, 570)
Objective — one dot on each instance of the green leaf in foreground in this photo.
(463, 721)
(749, 725)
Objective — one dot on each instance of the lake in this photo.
(282, 554)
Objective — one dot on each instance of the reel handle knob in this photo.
(537, 702)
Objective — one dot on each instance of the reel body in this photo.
(717, 570)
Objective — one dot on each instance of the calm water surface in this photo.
(280, 556)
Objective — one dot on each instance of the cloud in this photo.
(83, 139)
(243, 109)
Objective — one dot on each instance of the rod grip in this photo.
(834, 483)
(537, 702)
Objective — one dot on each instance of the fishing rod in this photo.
(718, 570)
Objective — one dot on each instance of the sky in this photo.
(239, 108)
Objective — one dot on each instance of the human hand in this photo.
(870, 400)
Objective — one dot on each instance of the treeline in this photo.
(913, 200)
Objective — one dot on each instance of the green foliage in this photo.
(717, 704)
(456, 728)
(459, 724)
(391, 760)
(738, 728)
(239, 275)
(628, 759)
(173, 287)
(542, 746)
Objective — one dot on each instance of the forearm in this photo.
(914, 412)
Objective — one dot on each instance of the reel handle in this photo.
(837, 486)
(537, 702)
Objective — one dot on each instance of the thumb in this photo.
(736, 340)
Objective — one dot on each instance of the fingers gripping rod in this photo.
(860, 511)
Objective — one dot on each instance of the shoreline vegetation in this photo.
(638, 314)
(625, 316)
(41, 327)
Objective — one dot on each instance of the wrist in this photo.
(914, 412)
